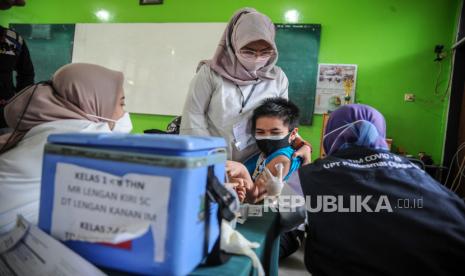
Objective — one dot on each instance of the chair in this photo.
(417, 162)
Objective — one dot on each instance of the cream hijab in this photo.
(75, 90)
(247, 25)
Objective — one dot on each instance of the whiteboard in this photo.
(158, 59)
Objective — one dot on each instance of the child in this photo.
(274, 126)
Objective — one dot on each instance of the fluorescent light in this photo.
(292, 16)
(103, 15)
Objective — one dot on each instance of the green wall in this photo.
(392, 42)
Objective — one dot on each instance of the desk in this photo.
(263, 230)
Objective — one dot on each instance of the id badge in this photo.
(242, 136)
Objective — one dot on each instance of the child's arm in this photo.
(279, 159)
(260, 181)
(238, 173)
(260, 190)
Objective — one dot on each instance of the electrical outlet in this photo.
(440, 52)
(409, 97)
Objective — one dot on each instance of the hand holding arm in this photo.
(303, 150)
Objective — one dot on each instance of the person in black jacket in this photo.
(6, 4)
(14, 56)
(371, 212)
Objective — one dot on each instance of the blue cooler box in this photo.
(181, 161)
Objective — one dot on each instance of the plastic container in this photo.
(78, 169)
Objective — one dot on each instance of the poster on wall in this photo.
(335, 86)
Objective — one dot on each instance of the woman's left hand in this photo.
(239, 187)
(304, 152)
(237, 170)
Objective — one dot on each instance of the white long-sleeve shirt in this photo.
(21, 169)
(213, 108)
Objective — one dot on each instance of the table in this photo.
(263, 230)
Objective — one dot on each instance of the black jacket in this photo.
(14, 56)
(428, 238)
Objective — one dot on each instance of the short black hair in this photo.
(277, 107)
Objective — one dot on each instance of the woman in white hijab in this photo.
(80, 98)
(227, 88)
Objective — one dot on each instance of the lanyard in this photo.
(246, 100)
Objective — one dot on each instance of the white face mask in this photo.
(122, 125)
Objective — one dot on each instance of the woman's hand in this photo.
(239, 187)
(274, 184)
(233, 168)
(304, 152)
(236, 170)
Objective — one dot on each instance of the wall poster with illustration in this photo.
(335, 86)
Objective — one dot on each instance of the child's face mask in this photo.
(272, 143)
(122, 125)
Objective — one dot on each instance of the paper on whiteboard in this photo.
(94, 206)
(36, 253)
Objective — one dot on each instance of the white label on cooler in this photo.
(95, 206)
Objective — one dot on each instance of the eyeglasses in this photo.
(251, 54)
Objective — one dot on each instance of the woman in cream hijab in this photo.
(80, 98)
(227, 88)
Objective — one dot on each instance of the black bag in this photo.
(219, 194)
